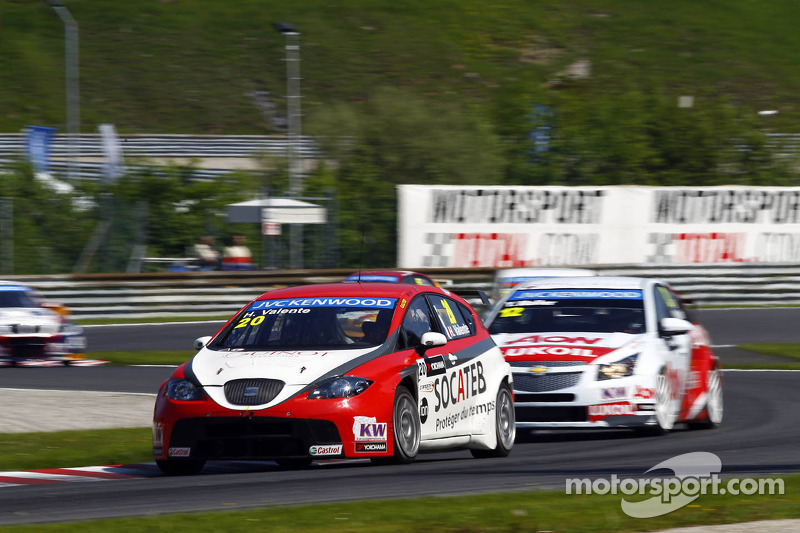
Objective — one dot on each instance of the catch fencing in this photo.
(219, 294)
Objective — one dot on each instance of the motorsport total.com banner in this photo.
(503, 227)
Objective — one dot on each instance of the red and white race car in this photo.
(347, 370)
(606, 352)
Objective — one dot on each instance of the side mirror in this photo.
(200, 342)
(432, 339)
(674, 326)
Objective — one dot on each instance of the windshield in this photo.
(309, 323)
(16, 297)
(595, 311)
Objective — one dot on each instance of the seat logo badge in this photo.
(249, 392)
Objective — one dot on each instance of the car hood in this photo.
(20, 320)
(560, 346)
(297, 369)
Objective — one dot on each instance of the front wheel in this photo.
(181, 467)
(505, 425)
(406, 426)
(665, 414)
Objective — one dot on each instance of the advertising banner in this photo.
(505, 227)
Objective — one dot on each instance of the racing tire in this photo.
(294, 463)
(714, 403)
(665, 415)
(505, 425)
(181, 467)
(405, 427)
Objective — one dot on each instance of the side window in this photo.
(685, 312)
(417, 322)
(662, 309)
(673, 305)
(450, 317)
(469, 318)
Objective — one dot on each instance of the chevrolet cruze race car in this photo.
(606, 352)
(34, 330)
(346, 370)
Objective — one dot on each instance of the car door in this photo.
(462, 389)
(676, 349)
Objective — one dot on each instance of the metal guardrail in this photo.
(177, 145)
(222, 293)
(13, 145)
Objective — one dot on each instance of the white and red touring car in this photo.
(347, 370)
(606, 352)
(35, 332)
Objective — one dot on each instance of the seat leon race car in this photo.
(606, 352)
(347, 370)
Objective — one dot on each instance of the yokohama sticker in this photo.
(334, 449)
(370, 447)
(598, 412)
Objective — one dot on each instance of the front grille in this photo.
(551, 414)
(25, 329)
(252, 437)
(26, 347)
(545, 382)
(252, 391)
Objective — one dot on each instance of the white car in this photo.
(606, 352)
(34, 330)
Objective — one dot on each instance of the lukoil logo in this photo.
(695, 474)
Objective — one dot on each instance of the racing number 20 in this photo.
(254, 321)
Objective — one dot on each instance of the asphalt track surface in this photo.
(758, 437)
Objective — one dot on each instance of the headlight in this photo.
(183, 390)
(341, 387)
(620, 369)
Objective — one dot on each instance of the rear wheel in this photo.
(181, 467)
(505, 425)
(714, 402)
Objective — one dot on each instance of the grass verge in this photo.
(521, 511)
(65, 449)
(789, 351)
